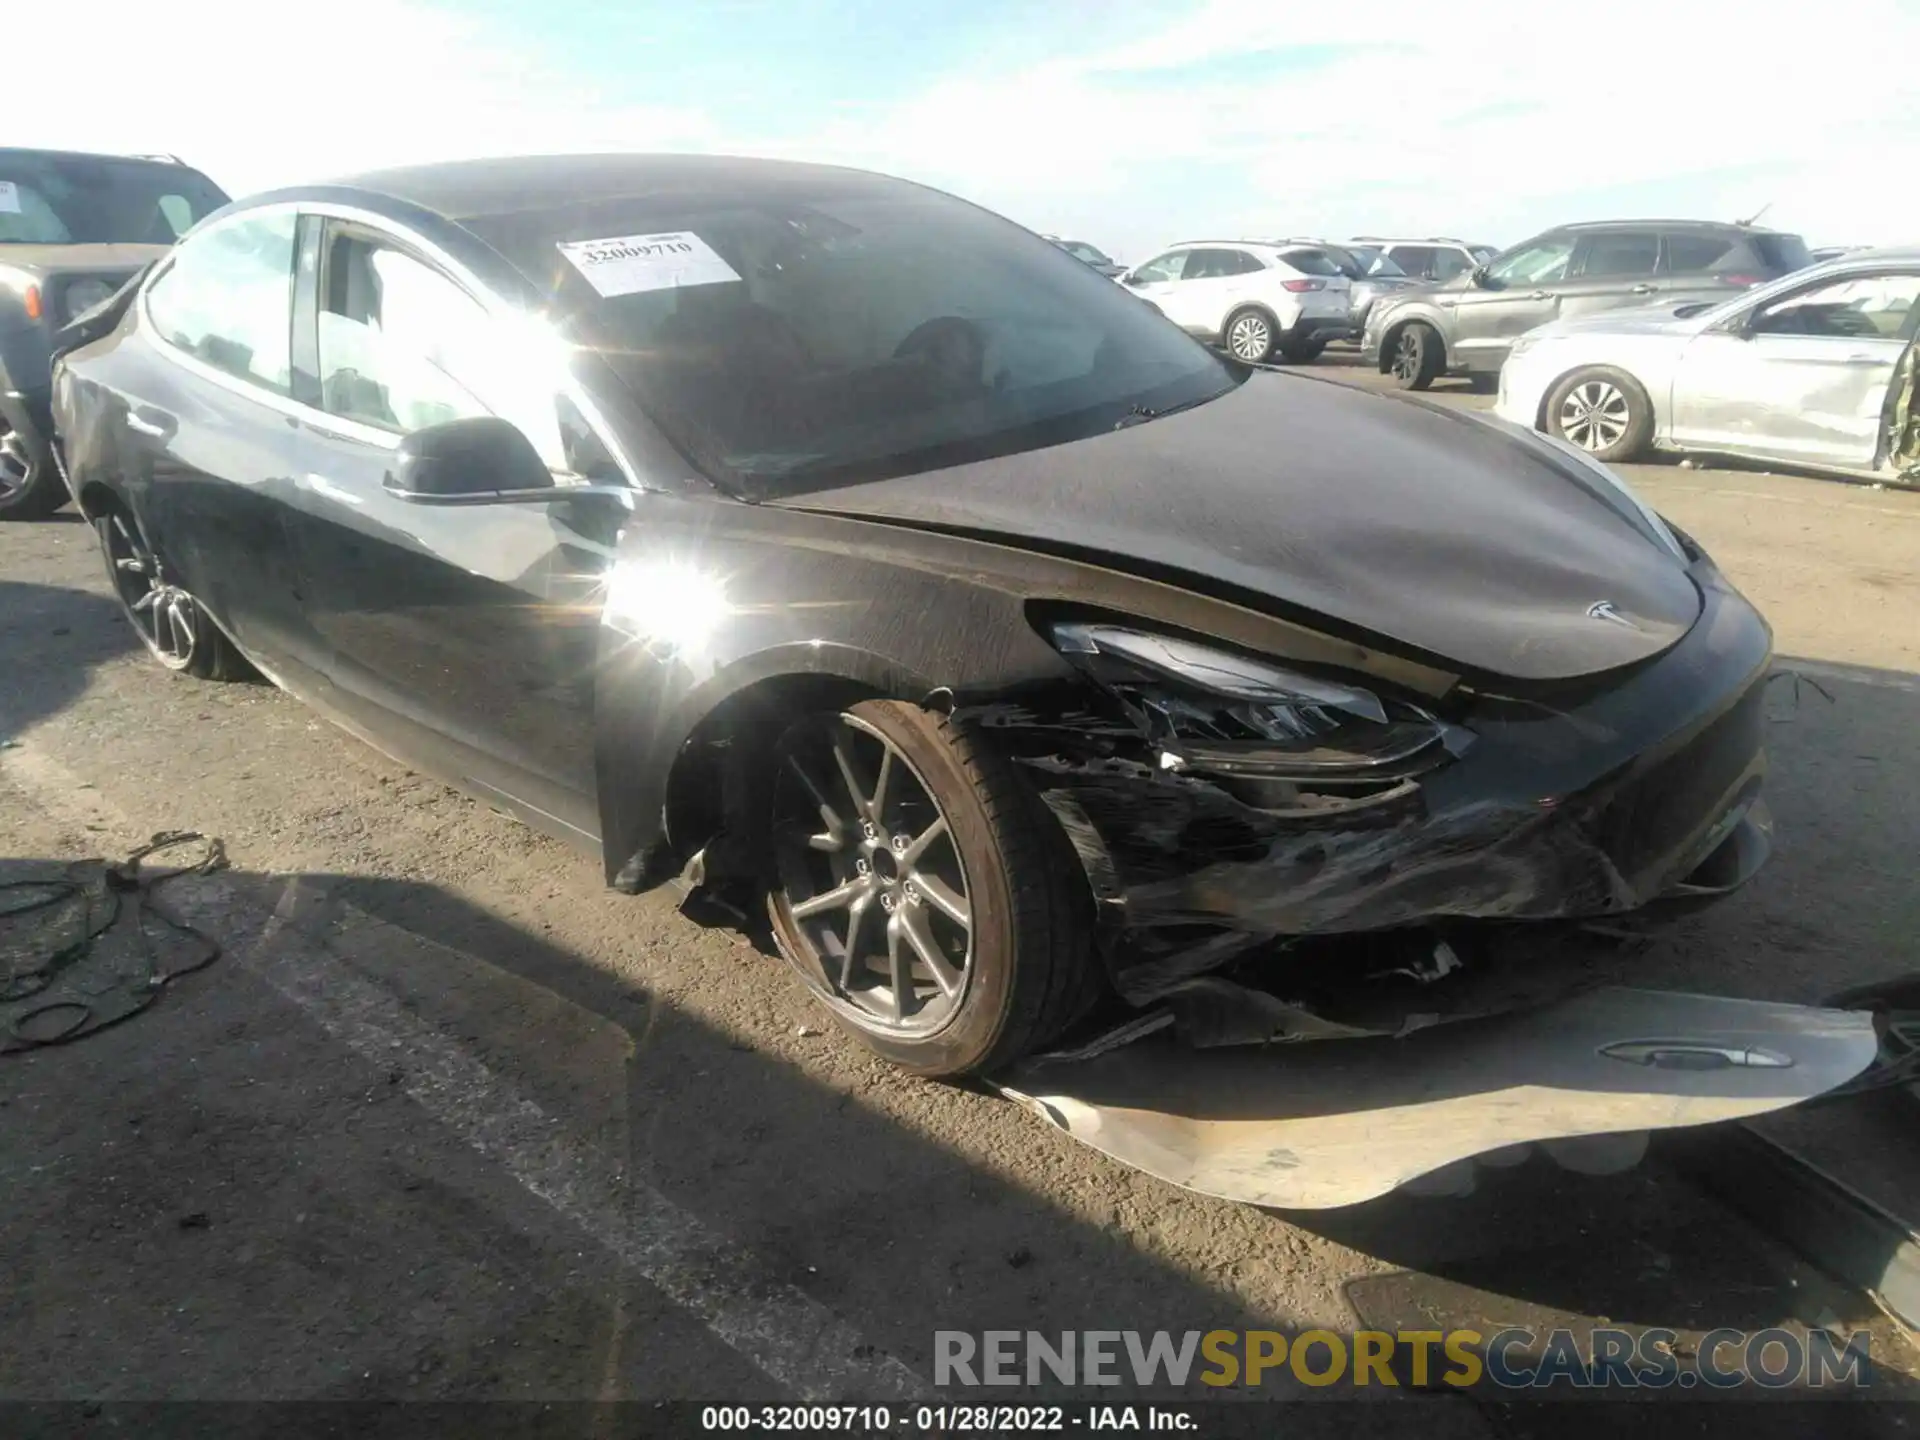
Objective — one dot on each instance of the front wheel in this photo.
(1603, 411)
(1417, 356)
(923, 891)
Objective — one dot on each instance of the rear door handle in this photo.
(141, 425)
(1642, 290)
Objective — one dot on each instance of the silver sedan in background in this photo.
(1816, 370)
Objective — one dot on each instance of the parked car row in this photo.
(1466, 325)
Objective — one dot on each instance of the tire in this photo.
(1250, 335)
(169, 621)
(1415, 355)
(1303, 348)
(1603, 411)
(30, 483)
(1021, 967)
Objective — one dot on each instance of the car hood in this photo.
(1380, 514)
(47, 260)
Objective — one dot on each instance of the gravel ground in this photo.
(447, 1119)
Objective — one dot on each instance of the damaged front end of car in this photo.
(1279, 853)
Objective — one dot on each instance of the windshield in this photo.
(97, 200)
(851, 329)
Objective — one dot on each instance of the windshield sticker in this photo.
(9, 198)
(631, 264)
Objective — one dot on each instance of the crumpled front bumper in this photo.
(1642, 792)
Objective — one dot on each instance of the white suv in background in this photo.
(1253, 297)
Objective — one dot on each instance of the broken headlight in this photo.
(1212, 710)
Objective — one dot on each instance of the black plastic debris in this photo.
(87, 944)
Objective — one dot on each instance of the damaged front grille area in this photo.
(1227, 809)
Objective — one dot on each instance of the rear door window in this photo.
(1415, 259)
(227, 300)
(1701, 253)
(1618, 255)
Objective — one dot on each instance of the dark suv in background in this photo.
(73, 229)
(1467, 324)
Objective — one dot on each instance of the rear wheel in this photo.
(1250, 336)
(922, 890)
(169, 620)
(30, 485)
(1603, 411)
(1416, 356)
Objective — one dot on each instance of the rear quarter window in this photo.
(1311, 262)
(1696, 254)
(1784, 253)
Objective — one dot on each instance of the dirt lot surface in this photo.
(447, 1119)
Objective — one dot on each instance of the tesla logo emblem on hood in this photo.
(1603, 610)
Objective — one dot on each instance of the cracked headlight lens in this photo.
(1209, 706)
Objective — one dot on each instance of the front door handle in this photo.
(1642, 290)
(1541, 295)
(154, 429)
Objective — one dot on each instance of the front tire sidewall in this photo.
(974, 1031)
(1426, 341)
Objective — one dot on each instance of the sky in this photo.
(1130, 123)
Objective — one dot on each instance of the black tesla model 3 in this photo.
(753, 523)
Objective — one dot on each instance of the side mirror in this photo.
(1479, 279)
(477, 461)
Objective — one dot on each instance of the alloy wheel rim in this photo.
(872, 882)
(1594, 415)
(166, 616)
(16, 466)
(1250, 338)
(1406, 356)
